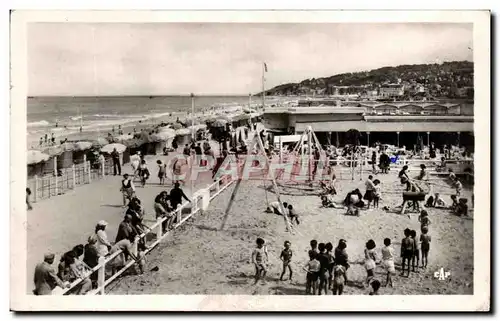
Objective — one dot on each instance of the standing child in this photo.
(339, 279)
(162, 171)
(314, 246)
(331, 263)
(259, 259)
(426, 246)
(416, 251)
(143, 172)
(376, 192)
(388, 261)
(407, 250)
(312, 268)
(370, 260)
(424, 220)
(286, 257)
(375, 287)
(324, 263)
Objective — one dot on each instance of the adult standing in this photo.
(127, 189)
(116, 162)
(91, 257)
(160, 210)
(176, 196)
(103, 245)
(45, 277)
(370, 188)
(28, 202)
(124, 229)
(374, 162)
(384, 162)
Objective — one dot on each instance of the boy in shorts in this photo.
(286, 257)
(312, 268)
(426, 245)
(259, 259)
(407, 251)
(416, 252)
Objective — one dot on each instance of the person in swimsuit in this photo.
(127, 189)
(388, 261)
(286, 257)
(416, 252)
(259, 259)
(407, 251)
(312, 268)
(162, 171)
(339, 279)
(425, 246)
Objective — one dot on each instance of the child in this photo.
(458, 186)
(314, 246)
(388, 261)
(143, 172)
(375, 287)
(259, 259)
(341, 256)
(312, 268)
(331, 263)
(286, 258)
(407, 250)
(324, 263)
(416, 251)
(462, 208)
(339, 279)
(454, 203)
(376, 193)
(439, 201)
(426, 246)
(370, 260)
(423, 218)
(162, 170)
(294, 216)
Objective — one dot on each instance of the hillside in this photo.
(450, 79)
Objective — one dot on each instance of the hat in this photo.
(102, 223)
(49, 256)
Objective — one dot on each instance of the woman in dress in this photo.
(370, 260)
(102, 244)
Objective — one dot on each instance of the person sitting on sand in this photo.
(328, 202)
(439, 202)
(274, 207)
(423, 173)
(260, 258)
(462, 208)
(454, 202)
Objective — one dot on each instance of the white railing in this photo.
(202, 197)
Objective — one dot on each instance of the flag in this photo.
(265, 67)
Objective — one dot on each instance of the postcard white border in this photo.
(478, 302)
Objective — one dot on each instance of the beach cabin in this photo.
(183, 136)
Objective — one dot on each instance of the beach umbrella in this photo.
(100, 141)
(120, 148)
(54, 150)
(35, 156)
(122, 138)
(163, 136)
(182, 131)
(78, 146)
(177, 126)
(219, 123)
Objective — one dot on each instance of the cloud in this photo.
(216, 58)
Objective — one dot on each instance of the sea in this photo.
(65, 115)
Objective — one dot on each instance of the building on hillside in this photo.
(391, 90)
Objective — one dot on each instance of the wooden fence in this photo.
(200, 202)
(66, 179)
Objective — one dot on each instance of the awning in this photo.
(363, 126)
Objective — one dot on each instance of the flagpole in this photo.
(263, 85)
(192, 116)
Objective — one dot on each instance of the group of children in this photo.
(327, 267)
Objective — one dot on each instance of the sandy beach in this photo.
(200, 259)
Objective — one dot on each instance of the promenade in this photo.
(59, 223)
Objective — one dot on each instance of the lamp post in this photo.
(397, 133)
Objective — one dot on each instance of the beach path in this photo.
(59, 223)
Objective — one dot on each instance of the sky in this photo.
(99, 59)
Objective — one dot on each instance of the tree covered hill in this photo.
(444, 79)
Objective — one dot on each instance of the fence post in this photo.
(55, 173)
(74, 175)
(101, 275)
(89, 171)
(159, 228)
(103, 161)
(35, 192)
(135, 245)
(179, 215)
(84, 166)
